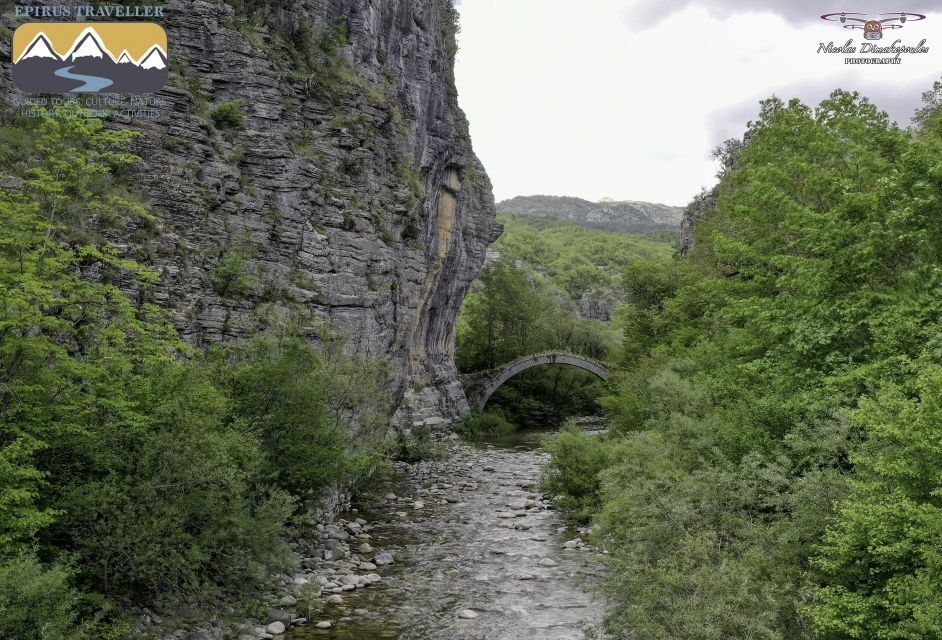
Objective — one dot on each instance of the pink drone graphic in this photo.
(873, 29)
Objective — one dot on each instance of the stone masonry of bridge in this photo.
(479, 386)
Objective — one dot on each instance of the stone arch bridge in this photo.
(479, 386)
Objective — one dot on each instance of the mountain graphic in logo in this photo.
(66, 57)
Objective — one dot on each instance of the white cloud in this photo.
(583, 101)
(654, 12)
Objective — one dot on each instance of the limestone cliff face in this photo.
(349, 187)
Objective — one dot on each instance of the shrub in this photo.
(228, 115)
(17, 142)
(280, 391)
(488, 423)
(415, 445)
(230, 274)
(177, 514)
(572, 476)
(37, 603)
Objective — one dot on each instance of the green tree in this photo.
(881, 560)
(502, 319)
(774, 459)
(149, 470)
(53, 320)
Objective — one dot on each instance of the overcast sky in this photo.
(626, 98)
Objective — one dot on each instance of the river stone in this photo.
(365, 548)
(276, 628)
(548, 562)
(367, 566)
(373, 578)
(334, 599)
(288, 601)
(324, 624)
(468, 614)
(390, 496)
(277, 615)
(418, 504)
(383, 558)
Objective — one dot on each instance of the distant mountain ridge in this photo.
(627, 216)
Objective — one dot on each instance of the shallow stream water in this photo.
(484, 541)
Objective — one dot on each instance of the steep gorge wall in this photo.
(351, 188)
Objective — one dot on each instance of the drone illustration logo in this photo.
(873, 29)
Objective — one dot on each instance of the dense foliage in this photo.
(509, 314)
(774, 463)
(577, 259)
(526, 302)
(132, 470)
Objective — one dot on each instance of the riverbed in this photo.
(478, 554)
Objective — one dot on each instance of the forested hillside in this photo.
(534, 297)
(609, 215)
(773, 469)
(575, 258)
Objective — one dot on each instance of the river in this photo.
(479, 555)
(92, 83)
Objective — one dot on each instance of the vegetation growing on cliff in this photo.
(773, 467)
(132, 470)
(228, 115)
